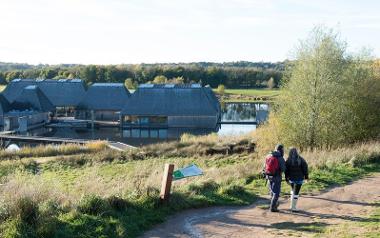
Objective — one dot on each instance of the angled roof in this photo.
(62, 92)
(105, 96)
(172, 100)
(4, 104)
(32, 98)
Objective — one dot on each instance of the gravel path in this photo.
(348, 203)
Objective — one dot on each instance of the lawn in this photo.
(254, 92)
(248, 95)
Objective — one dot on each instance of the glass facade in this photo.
(145, 120)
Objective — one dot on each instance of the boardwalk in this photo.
(55, 140)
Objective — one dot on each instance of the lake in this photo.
(242, 115)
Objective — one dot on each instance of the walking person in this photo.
(295, 174)
(273, 169)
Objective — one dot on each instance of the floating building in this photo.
(64, 94)
(25, 103)
(103, 101)
(29, 109)
(171, 106)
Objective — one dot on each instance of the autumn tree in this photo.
(326, 95)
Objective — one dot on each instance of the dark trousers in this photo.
(296, 188)
(275, 189)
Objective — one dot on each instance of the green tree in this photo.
(160, 79)
(129, 83)
(220, 89)
(177, 80)
(271, 84)
(324, 99)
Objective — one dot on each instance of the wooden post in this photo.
(166, 182)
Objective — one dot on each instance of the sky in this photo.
(162, 31)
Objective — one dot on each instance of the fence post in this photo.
(166, 182)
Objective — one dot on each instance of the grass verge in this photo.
(368, 227)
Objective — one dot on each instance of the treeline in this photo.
(240, 74)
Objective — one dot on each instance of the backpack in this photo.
(271, 165)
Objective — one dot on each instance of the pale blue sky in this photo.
(135, 31)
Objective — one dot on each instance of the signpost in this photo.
(166, 182)
(169, 176)
(189, 171)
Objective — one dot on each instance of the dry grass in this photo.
(52, 150)
(190, 145)
(97, 145)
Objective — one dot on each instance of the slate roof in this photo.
(105, 96)
(4, 104)
(32, 98)
(62, 92)
(172, 100)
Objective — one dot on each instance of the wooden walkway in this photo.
(40, 139)
(55, 140)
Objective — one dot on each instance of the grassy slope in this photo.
(249, 95)
(62, 190)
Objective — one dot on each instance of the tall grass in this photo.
(52, 150)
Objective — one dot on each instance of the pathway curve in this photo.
(348, 203)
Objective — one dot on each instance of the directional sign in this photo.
(189, 171)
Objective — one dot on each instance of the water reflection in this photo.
(244, 112)
(231, 112)
(134, 137)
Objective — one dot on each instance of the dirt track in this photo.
(349, 203)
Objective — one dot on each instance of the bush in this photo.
(93, 205)
(232, 190)
(117, 203)
(27, 210)
(220, 89)
(97, 145)
(200, 188)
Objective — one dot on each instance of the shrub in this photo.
(26, 209)
(117, 203)
(200, 188)
(92, 205)
(97, 145)
(30, 166)
(221, 88)
(232, 190)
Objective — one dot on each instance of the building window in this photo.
(131, 119)
(158, 120)
(144, 120)
(136, 120)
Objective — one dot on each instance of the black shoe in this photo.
(274, 210)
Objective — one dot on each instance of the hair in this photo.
(280, 148)
(294, 156)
